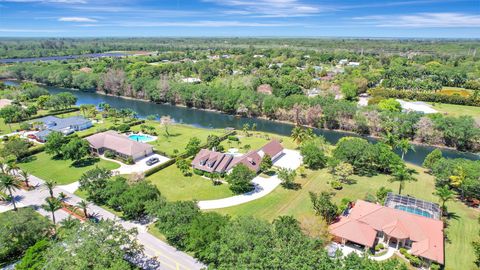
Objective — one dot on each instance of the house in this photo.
(5, 102)
(353, 64)
(191, 80)
(64, 125)
(412, 228)
(343, 62)
(120, 144)
(212, 161)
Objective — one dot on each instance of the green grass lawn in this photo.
(179, 136)
(256, 140)
(457, 110)
(176, 187)
(61, 171)
(461, 231)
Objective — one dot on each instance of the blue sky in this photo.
(368, 18)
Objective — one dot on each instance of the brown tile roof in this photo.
(366, 218)
(272, 148)
(117, 142)
(211, 161)
(252, 160)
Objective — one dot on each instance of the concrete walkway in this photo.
(168, 256)
(385, 256)
(263, 186)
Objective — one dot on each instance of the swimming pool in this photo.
(413, 210)
(141, 138)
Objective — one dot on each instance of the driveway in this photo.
(140, 165)
(290, 159)
(263, 186)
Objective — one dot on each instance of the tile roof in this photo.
(425, 233)
(272, 148)
(211, 161)
(117, 142)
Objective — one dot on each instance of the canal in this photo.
(208, 119)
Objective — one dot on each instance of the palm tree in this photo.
(50, 185)
(402, 175)
(390, 140)
(9, 183)
(404, 145)
(301, 134)
(445, 194)
(83, 205)
(12, 168)
(52, 205)
(24, 176)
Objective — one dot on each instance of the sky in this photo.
(240, 18)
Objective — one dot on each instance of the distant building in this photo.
(264, 89)
(343, 62)
(258, 56)
(64, 125)
(313, 92)
(353, 64)
(191, 80)
(120, 144)
(5, 102)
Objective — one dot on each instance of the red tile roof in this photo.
(365, 219)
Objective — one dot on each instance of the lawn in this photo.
(176, 187)
(61, 171)
(256, 140)
(457, 110)
(461, 231)
(179, 136)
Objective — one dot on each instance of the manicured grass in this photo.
(179, 136)
(457, 110)
(61, 171)
(176, 187)
(256, 140)
(461, 231)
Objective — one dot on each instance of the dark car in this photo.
(152, 161)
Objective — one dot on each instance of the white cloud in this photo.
(203, 24)
(423, 20)
(270, 8)
(76, 19)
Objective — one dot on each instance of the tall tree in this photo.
(50, 185)
(323, 206)
(405, 146)
(444, 194)
(83, 205)
(402, 174)
(54, 143)
(76, 149)
(51, 205)
(24, 176)
(9, 183)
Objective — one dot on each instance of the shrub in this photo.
(233, 138)
(336, 184)
(434, 266)
(129, 161)
(379, 247)
(403, 251)
(109, 154)
(198, 172)
(123, 128)
(24, 126)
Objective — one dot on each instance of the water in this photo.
(207, 119)
(413, 210)
(141, 138)
(60, 58)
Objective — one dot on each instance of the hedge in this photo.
(160, 167)
(34, 150)
(57, 112)
(426, 96)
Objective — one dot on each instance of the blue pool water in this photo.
(140, 138)
(413, 210)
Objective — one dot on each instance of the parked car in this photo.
(152, 161)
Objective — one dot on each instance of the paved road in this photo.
(169, 257)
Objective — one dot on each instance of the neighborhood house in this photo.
(64, 125)
(396, 225)
(213, 161)
(119, 144)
